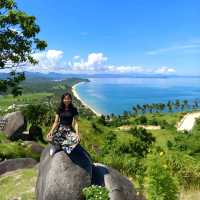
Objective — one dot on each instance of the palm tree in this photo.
(138, 107)
(162, 107)
(135, 111)
(196, 104)
(125, 114)
(185, 104)
(150, 108)
(177, 104)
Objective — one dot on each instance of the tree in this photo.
(177, 104)
(18, 42)
(185, 104)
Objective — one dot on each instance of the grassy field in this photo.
(19, 184)
(8, 100)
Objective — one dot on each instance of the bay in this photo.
(115, 95)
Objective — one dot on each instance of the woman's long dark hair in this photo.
(61, 107)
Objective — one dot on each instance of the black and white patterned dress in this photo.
(66, 138)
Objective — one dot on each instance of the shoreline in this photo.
(75, 93)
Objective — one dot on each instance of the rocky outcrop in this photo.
(15, 125)
(63, 177)
(119, 187)
(14, 164)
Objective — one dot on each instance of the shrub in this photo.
(161, 185)
(164, 124)
(95, 193)
(186, 168)
(110, 143)
(141, 119)
(142, 143)
(154, 122)
(35, 114)
(143, 135)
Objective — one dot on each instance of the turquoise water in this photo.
(114, 95)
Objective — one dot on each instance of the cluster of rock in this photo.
(62, 177)
(13, 125)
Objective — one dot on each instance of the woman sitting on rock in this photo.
(64, 133)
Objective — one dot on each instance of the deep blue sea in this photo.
(114, 95)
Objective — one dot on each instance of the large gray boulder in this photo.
(119, 187)
(14, 164)
(34, 146)
(62, 177)
(15, 124)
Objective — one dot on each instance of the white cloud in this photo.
(96, 62)
(53, 61)
(164, 70)
(47, 61)
(125, 69)
(76, 57)
(54, 54)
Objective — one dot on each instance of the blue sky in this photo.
(129, 36)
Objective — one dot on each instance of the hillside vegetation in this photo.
(162, 163)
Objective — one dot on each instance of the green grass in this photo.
(8, 100)
(9, 149)
(171, 118)
(19, 184)
(162, 136)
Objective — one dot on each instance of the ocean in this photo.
(115, 95)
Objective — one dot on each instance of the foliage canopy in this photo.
(18, 42)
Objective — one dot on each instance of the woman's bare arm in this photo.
(54, 126)
(76, 126)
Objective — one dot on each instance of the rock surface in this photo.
(14, 164)
(63, 177)
(119, 187)
(15, 124)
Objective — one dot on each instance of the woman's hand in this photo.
(49, 136)
(79, 138)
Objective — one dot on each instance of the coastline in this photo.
(75, 93)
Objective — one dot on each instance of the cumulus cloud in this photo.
(96, 62)
(53, 61)
(47, 61)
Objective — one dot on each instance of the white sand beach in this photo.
(188, 121)
(83, 102)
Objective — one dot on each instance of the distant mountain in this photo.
(59, 76)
